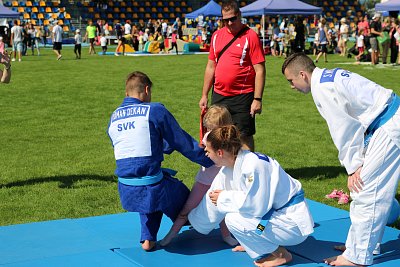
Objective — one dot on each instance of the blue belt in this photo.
(385, 115)
(299, 197)
(146, 180)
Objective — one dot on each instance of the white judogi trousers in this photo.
(370, 208)
(281, 230)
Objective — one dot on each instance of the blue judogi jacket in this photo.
(141, 133)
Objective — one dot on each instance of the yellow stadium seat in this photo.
(178, 9)
(35, 10)
(28, 3)
(135, 3)
(21, 9)
(141, 9)
(61, 9)
(48, 9)
(14, 3)
(26, 16)
(166, 9)
(109, 16)
(116, 9)
(135, 15)
(111, 3)
(40, 16)
(122, 16)
(33, 21)
(46, 22)
(96, 15)
(147, 16)
(91, 9)
(66, 28)
(54, 16)
(42, 3)
(189, 9)
(183, 3)
(56, 3)
(60, 22)
(159, 3)
(129, 10)
(68, 16)
(154, 9)
(123, 4)
(147, 3)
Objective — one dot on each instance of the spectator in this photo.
(16, 40)
(343, 36)
(323, 40)
(90, 37)
(78, 44)
(57, 40)
(6, 72)
(376, 30)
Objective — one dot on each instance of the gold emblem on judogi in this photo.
(250, 179)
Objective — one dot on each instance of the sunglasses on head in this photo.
(232, 19)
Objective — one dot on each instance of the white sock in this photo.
(230, 240)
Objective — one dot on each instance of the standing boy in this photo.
(364, 122)
(141, 132)
(78, 44)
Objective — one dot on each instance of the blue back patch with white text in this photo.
(328, 75)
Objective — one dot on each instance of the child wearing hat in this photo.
(78, 44)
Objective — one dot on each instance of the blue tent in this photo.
(279, 7)
(212, 9)
(7, 13)
(391, 5)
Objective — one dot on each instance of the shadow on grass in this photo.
(320, 172)
(66, 181)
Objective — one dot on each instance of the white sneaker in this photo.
(19, 60)
(13, 59)
(116, 54)
(59, 57)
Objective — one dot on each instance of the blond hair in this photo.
(217, 116)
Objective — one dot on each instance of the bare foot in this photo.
(168, 238)
(148, 245)
(278, 257)
(340, 248)
(340, 261)
(238, 249)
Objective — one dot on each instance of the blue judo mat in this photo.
(113, 240)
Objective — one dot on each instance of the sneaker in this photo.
(344, 199)
(335, 194)
(116, 54)
(19, 60)
(59, 57)
(13, 59)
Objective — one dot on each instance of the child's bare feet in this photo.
(238, 249)
(278, 257)
(340, 261)
(148, 245)
(168, 238)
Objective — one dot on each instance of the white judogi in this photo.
(256, 185)
(350, 103)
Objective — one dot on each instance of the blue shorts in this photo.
(17, 46)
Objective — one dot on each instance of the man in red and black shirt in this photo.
(238, 75)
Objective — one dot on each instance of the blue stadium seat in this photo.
(21, 3)
(35, 3)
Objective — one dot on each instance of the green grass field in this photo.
(57, 160)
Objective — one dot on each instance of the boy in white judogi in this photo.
(364, 122)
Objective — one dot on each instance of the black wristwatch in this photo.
(258, 99)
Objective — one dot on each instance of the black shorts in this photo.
(324, 49)
(91, 40)
(239, 107)
(57, 46)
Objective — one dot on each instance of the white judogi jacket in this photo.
(349, 103)
(256, 184)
